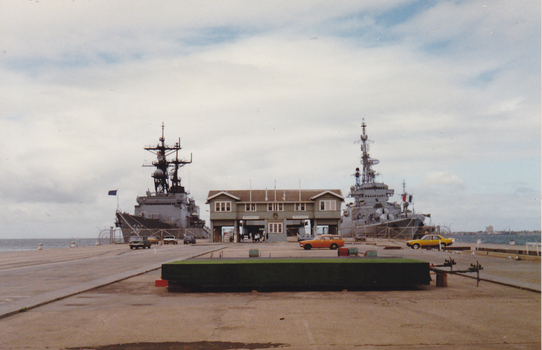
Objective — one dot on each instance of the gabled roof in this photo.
(278, 195)
(221, 193)
(338, 195)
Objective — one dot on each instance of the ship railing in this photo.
(198, 232)
(160, 234)
(111, 235)
(156, 232)
(384, 232)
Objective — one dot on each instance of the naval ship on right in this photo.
(371, 214)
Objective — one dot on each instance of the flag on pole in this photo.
(112, 193)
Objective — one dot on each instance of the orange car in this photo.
(323, 241)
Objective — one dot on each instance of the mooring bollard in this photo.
(342, 251)
(442, 279)
(371, 254)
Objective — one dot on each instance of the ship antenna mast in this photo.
(160, 175)
(369, 174)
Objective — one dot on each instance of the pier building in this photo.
(273, 214)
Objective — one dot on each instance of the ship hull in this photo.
(371, 214)
(403, 228)
(131, 225)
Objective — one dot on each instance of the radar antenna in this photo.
(162, 164)
(368, 175)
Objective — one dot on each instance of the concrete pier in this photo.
(84, 298)
(34, 278)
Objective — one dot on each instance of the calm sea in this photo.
(11, 245)
(497, 239)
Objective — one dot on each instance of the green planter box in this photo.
(295, 274)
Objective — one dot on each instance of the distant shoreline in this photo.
(512, 233)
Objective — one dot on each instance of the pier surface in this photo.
(92, 297)
(34, 278)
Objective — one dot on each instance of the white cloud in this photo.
(443, 178)
(275, 91)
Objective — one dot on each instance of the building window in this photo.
(275, 227)
(299, 207)
(223, 206)
(327, 205)
(275, 207)
(250, 206)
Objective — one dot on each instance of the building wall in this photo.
(236, 215)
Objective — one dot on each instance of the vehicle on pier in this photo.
(137, 242)
(323, 241)
(430, 241)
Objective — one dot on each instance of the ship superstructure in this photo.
(169, 210)
(371, 213)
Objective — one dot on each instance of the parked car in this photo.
(360, 238)
(170, 240)
(323, 241)
(153, 240)
(139, 242)
(189, 239)
(430, 241)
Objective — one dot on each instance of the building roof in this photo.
(273, 195)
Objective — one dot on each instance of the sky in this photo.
(268, 92)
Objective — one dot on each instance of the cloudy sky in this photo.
(260, 91)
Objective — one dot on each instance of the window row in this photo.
(226, 206)
(275, 227)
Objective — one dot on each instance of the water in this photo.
(13, 245)
(497, 239)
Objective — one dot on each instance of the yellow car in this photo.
(430, 241)
(323, 241)
(153, 240)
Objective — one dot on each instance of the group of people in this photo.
(255, 237)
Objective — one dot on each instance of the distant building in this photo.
(274, 213)
(489, 229)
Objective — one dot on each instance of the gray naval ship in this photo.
(169, 212)
(371, 214)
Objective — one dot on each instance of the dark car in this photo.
(189, 239)
(359, 238)
(139, 242)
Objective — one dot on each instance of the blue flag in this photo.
(112, 193)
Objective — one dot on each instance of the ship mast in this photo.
(368, 175)
(160, 175)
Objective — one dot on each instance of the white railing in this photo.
(533, 244)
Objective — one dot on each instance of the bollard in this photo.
(342, 251)
(371, 254)
(442, 279)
